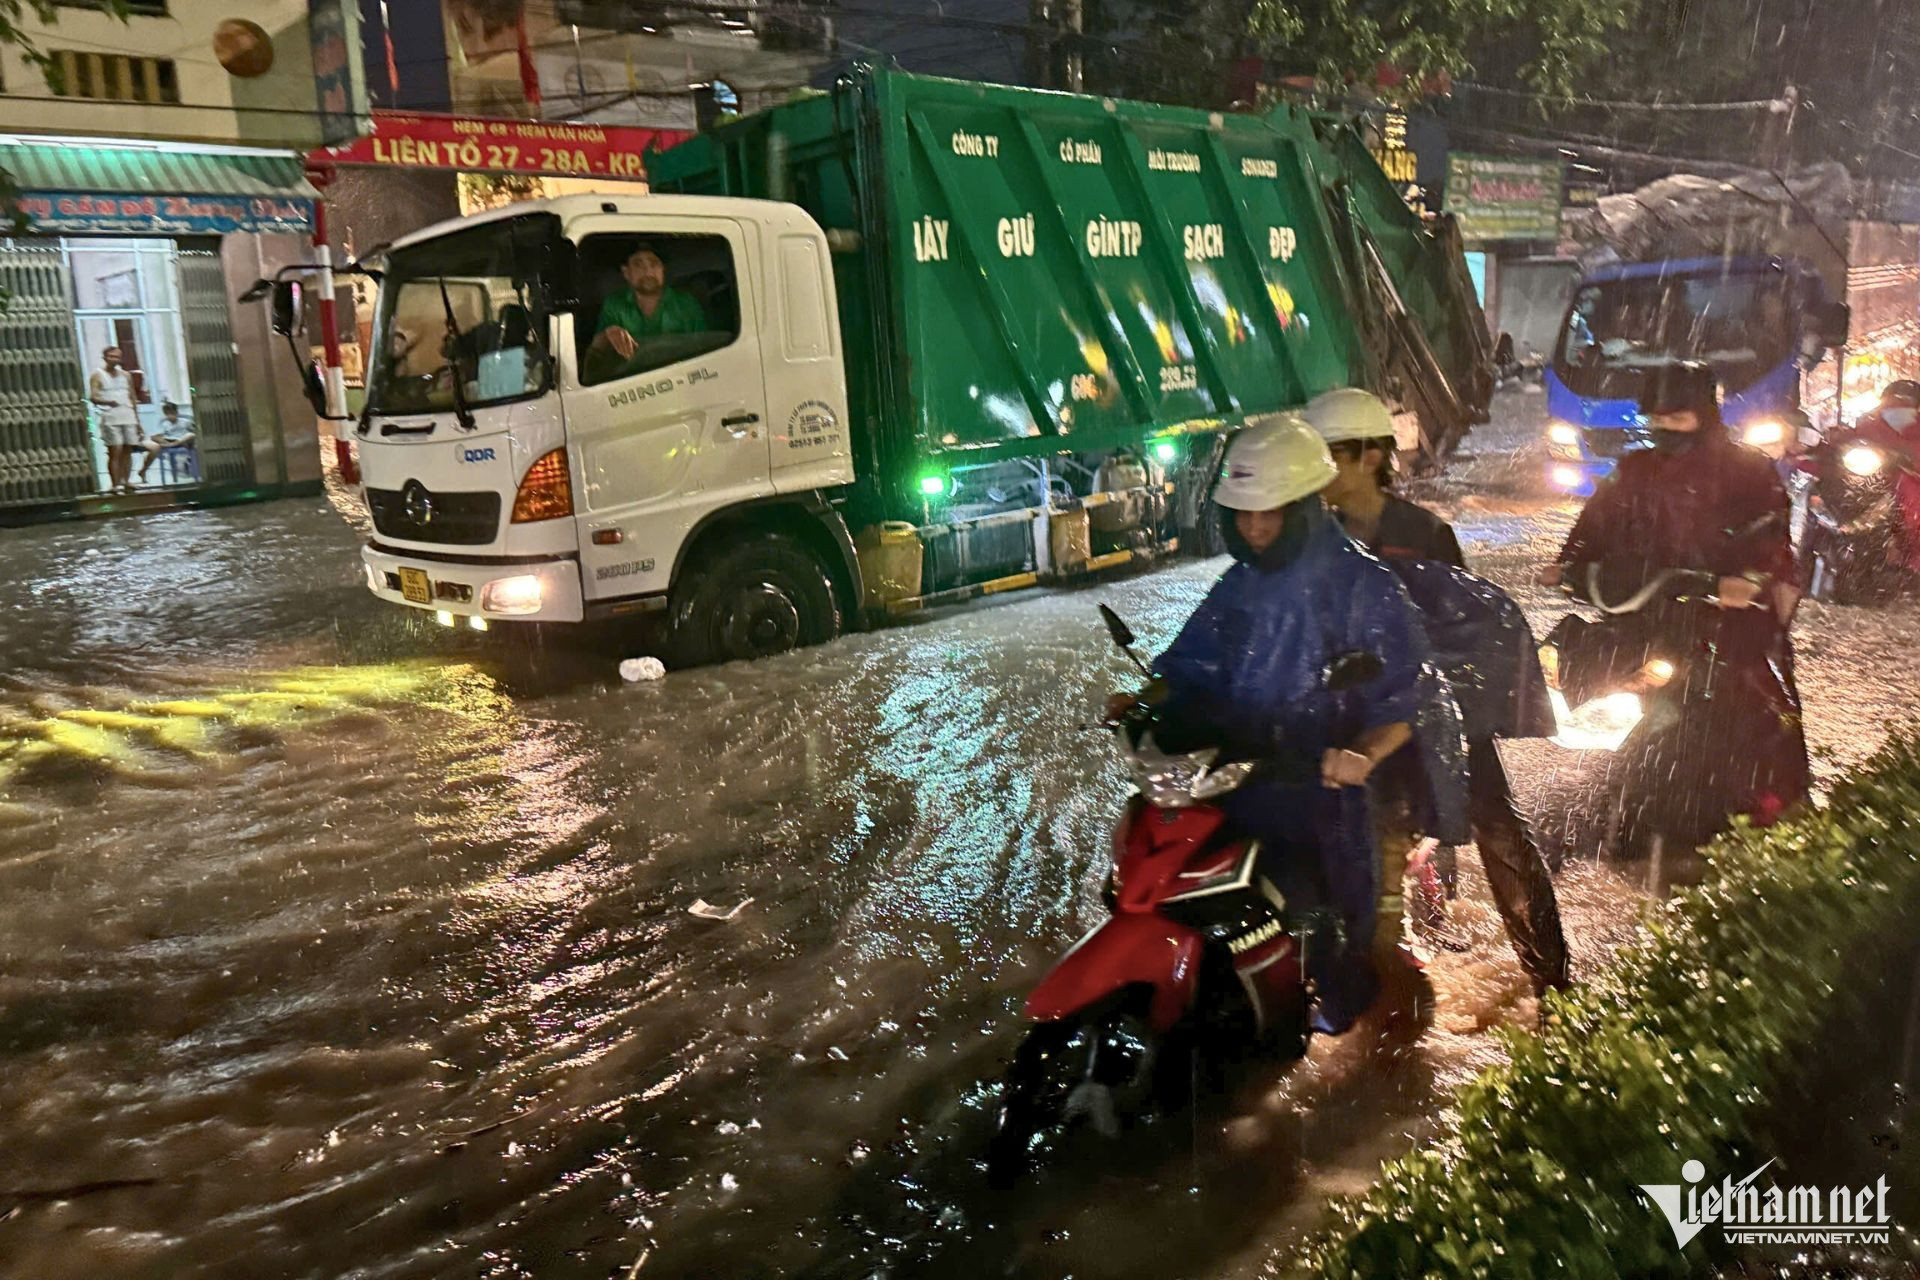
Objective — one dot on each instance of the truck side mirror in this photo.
(1832, 324)
(286, 308)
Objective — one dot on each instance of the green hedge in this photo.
(1668, 1055)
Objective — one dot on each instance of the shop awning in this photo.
(77, 187)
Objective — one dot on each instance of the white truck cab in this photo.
(567, 398)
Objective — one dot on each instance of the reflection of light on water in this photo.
(152, 739)
(1600, 725)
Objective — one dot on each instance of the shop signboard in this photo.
(505, 146)
(79, 212)
(1496, 198)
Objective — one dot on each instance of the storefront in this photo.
(142, 248)
(1508, 209)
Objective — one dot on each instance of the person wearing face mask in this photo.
(1248, 667)
(1698, 500)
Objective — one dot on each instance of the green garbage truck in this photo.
(899, 344)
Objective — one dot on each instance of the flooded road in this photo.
(336, 944)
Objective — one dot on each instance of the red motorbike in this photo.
(1201, 949)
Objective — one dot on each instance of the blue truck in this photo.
(1764, 323)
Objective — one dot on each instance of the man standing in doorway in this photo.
(111, 390)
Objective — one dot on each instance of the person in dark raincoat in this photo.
(1250, 663)
(1483, 644)
(1698, 500)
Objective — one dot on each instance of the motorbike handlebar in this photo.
(1657, 587)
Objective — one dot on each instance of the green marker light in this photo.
(933, 486)
(1165, 450)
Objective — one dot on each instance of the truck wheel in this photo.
(753, 599)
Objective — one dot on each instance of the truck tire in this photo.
(752, 599)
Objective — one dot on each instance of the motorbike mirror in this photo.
(286, 308)
(1117, 627)
(1351, 670)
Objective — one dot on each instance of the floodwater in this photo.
(336, 944)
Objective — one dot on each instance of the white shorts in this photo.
(112, 433)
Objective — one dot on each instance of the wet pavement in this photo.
(336, 944)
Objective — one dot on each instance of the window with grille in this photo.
(115, 77)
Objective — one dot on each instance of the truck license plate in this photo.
(416, 586)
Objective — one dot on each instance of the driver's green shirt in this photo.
(677, 313)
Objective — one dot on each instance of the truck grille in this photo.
(1611, 442)
(415, 514)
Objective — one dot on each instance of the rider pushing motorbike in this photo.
(1482, 642)
(1698, 501)
(1247, 665)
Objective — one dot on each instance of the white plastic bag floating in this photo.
(636, 669)
(721, 911)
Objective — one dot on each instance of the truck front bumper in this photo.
(537, 591)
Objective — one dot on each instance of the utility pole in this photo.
(1071, 20)
(1040, 39)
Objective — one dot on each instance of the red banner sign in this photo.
(504, 146)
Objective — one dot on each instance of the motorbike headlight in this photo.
(1863, 460)
(1767, 433)
(1600, 725)
(1657, 673)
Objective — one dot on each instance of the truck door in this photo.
(669, 421)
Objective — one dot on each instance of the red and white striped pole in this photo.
(333, 378)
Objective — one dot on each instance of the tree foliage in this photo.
(1199, 51)
(1853, 66)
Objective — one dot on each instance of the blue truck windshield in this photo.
(1739, 322)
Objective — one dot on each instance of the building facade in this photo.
(160, 169)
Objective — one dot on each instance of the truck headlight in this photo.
(1768, 433)
(518, 594)
(1863, 460)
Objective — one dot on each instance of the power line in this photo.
(1758, 104)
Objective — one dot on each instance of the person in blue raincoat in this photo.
(1481, 641)
(1250, 663)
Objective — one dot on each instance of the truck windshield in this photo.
(1739, 322)
(471, 306)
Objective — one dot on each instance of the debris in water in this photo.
(727, 1128)
(837, 1054)
(708, 911)
(634, 670)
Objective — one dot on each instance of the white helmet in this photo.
(1349, 414)
(1272, 464)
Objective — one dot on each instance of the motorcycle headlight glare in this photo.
(1766, 433)
(1600, 725)
(1863, 460)
(1657, 673)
